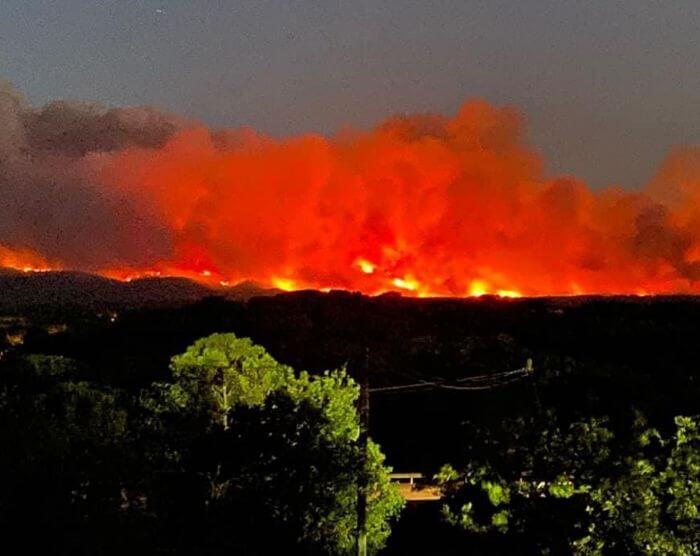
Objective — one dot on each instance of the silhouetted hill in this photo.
(22, 290)
(247, 289)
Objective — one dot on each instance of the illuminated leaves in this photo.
(273, 444)
(637, 498)
(222, 371)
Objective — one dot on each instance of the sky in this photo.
(607, 87)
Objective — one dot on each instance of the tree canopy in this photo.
(273, 447)
(580, 488)
(64, 458)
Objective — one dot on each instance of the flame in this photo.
(478, 288)
(286, 284)
(365, 266)
(405, 283)
(508, 293)
(427, 205)
(25, 260)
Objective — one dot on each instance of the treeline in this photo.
(582, 487)
(239, 454)
(235, 454)
(596, 453)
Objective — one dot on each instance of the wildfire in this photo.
(285, 284)
(365, 266)
(405, 284)
(25, 261)
(426, 205)
(508, 293)
(478, 288)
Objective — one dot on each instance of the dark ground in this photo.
(591, 356)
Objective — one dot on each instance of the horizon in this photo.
(350, 278)
(521, 150)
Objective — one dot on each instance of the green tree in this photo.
(219, 372)
(653, 505)
(62, 464)
(578, 488)
(274, 451)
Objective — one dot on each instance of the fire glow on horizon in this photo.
(427, 205)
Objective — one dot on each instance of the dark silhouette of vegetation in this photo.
(583, 489)
(111, 445)
(237, 454)
(270, 446)
(65, 456)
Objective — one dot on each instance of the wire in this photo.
(486, 377)
(401, 387)
(482, 387)
(479, 382)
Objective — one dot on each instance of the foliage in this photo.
(274, 449)
(220, 372)
(585, 491)
(654, 505)
(63, 440)
(237, 453)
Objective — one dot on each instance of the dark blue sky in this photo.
(607, 87)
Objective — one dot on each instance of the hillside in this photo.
(20, 291)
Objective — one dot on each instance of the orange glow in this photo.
(365, 266)
(285, 284)
(25, 260)
(478, 288)
(508, 293)
(405, 284)
(426, 205)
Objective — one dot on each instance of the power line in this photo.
(478, 382)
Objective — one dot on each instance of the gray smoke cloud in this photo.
(447, 201)
(48, 199)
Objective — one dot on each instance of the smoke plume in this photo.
(424, 204)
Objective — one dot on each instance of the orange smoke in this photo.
(25, 260)
(426, 205)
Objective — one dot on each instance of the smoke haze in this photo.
(426, 204)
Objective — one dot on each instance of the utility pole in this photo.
(483, 382)
(362, 479)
